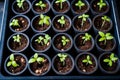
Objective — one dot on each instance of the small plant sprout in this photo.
(62, 58)
(17, 39)
(87, 37)
(12, 61)
(61, 3)
(80, 4)
(105, 18)
(111, 60)
(14, 23)
(61, 21)
(64, 40)
(20, 3)
(105, 37)
(40, 4)
(101, 4)
(37, 59)
(84, 18)
(87, 60)
(44, 20)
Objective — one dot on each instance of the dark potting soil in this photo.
(76, 8)
(18, 46)
(65, 5)
(98, 24)
(58, 43)
(20, 10)
(38, 9)
(81, 44)
(63, 68)
(78, 26)
(58, 26)
(39, 27)
(23, 22)
(40, 68)
(105, 65)
(83, 66)
(20, 61)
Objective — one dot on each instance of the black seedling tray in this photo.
(6, 32)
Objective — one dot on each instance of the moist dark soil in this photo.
(98, 24)
(37, 26)
(58, 43)
(40, 68)
(58, 26)
(38, 9)
(76, 8)
(20, 10)
(83, 67)
(106, 66)
(18, 46)
(39, 46)
(63, 68)
(81, 44)
(95, 7)
(21, 62)
(78, 26)
(56, 6)
(23, 22)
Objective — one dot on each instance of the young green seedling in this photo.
(64, 40)
(44, 20)
(62, 58)
(84, 18)
(80, 4)
(112, 59)
(104, 37)
(37, 59)
(61, 21)
(105, 18)
(87, 60)
(87, 37)
(17, 39)
(101, 4)
(61, 3)
(40, 4)
(12, 62)
(14, 23)
(20, 3)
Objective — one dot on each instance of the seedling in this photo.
(61, 3)
(37, 59)
(12, 62)
(64, 40)
(105, 37)
(87, 60)
(61, 21)
(14, 23)
(20, 3)
(112, 59)
(105, 19)
(80, 4)
(87, 37)
(44, 20)
(101, 4)
(17, 39)
(84, 18)
(40, 4)
(62, 58)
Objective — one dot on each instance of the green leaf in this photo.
(12, 57)
(88, 57)
(14, 64)
(36, 55)
(110, 63)
(32, 60)
(84, 61)
(109, 37)
(9, 63)
(106, 60)
(90, 62)
(40, 59)
(101, 39)
(101, 34)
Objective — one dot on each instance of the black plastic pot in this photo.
(40, 55)
(76, 10)
(54, 67)
(60, 41)
(22, 12)
(38, 11)
(62, 29)
(114, 69)
(18, 73)
(82, 55)
(20, 21)
(9, 44)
